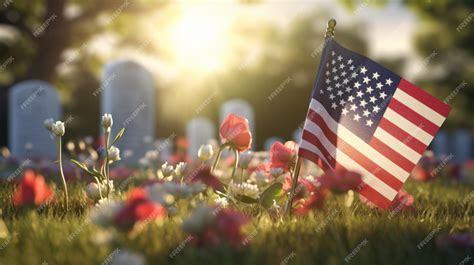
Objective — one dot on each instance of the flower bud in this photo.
(166, 169)
(180, 169)
(58, 128)
(92, 191)
(107, 121)
(205, 152)
(114, 154)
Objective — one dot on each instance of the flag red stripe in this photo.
(315, 141)
(304, 153)
(402, 136)
(397, 158)
(425, 98)
(357, 156)
(365, 190)
(375, 197)
(413, 116)
(314, 116)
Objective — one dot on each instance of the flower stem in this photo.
(60, 161)
(236, 162)
(218, 156)
(98, 185)
(107, 135)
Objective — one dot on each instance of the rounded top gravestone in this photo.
(241, 108)
(129, 95)
(29, 104)
(199, 131)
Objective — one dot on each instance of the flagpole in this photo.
(296, 172)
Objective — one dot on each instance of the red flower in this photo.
(204, 175)
(226, 226)
(420, 173)
(235, 131)
(341, 180)
(33, 191)
(303, 188)
(182, 143)
(307, 195)
(138, 207)
(314, 201)
(283, 156)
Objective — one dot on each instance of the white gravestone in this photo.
(199, 131)
(129, 95)
(241, 108)
(461, 146)
(29, 104)
(440, 144)
(297, 134)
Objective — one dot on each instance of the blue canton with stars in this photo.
(353, 89)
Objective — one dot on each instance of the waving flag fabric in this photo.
(365, 118)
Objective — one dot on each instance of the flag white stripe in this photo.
(414, 130)
(356, 142)
(315, 150)
(397, 145)
(419, 107)
(345, 161)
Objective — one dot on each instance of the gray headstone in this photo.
(241, 108)
(440, 144)
(297, 135)
(129, 95)
(30, 103)
(269, 142)
(461, 146)
(199, 131)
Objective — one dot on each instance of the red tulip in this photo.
(33, 191)
(341, 180)
(235, 131)
(283, 156)
(138, 208)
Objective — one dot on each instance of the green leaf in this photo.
(79, 164)
(118, 136)
(82, 166)
(245, 199)
(267, 196)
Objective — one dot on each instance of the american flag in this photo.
(365, 118)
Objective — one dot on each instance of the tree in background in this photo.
(446, 35)
(38, 34)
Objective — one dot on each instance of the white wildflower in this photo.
(246, 189)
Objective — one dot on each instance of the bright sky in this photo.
(389, 28)
(200, 35)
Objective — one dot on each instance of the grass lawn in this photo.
(335, 235)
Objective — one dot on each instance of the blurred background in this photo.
(212, 51)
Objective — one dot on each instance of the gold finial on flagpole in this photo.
(330, 29)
